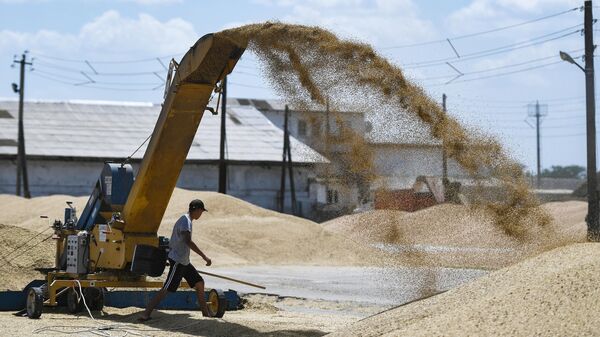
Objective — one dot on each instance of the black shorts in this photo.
(179, 271)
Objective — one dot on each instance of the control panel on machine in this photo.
(77, 254)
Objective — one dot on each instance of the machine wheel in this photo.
(94, 297)
(35, 302)
(74, 304)
(217, 303)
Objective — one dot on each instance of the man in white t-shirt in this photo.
(179, 259)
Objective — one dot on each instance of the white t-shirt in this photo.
(179, 249)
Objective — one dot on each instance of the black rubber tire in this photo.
(218, 303)
(94, 298)
(74, 303)
(35, 302)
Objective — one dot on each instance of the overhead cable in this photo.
(493, 30)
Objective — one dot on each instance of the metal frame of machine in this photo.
(114, 243)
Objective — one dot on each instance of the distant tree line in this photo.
(571, 171)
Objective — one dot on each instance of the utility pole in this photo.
(327, 120)
(283, 162)
(289, 161)
(538, 111)
(21, 156)
(222, 163)
(444, 155)
(537, 137)
(592, 184)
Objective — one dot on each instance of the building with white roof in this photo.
(67, 142)
(402, 150)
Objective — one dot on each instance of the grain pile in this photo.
(455, 235)
(19, 256)
(237, 232)
(310, 66)
(233, 232)
(553, 294)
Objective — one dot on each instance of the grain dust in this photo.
(311, 67)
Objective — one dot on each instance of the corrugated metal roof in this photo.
(114, 130)
(274, 105)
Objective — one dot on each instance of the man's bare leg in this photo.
(201, 299)
(153, 303)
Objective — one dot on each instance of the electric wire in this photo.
(38, 54)
(488, 52)
(101, 328)
(35, 245)
(496, 68)
(554, 99)
(517, 106)
(493, 30)
(99, 73)
(248, 85)
(90, 85)
(47, 73)
(24, 243)
(500, 74)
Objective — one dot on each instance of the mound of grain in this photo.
(369, 227)
(237, 232)
(445, 224)
(21, 251)
(553, 294)
(232, 232)
(456, 235)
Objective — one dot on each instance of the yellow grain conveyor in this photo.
(114, 242)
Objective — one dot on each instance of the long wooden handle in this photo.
(232, 279)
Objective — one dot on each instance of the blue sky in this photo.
(488, 98)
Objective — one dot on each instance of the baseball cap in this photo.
(197, 204)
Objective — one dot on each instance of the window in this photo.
(332, 196)
(5, 114)
(301, 128)
(235, 120)
(8, 142)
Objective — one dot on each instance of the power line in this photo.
(37, 70)
(555, 99)
(246, 73)
(99, 73)
(492, 51)
(459, 37)
(543, 128)
(500, 67)
(69, 60)
(501, 74)
(50, 78)
(248, 85)
(509, 111)
(512, 107)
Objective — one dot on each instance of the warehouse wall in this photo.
(257, 184)
(403, 164)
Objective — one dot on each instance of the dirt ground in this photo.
(261, 317)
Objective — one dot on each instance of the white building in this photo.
(67, 143)
(401, 152)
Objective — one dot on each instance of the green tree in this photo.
(571, 171)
